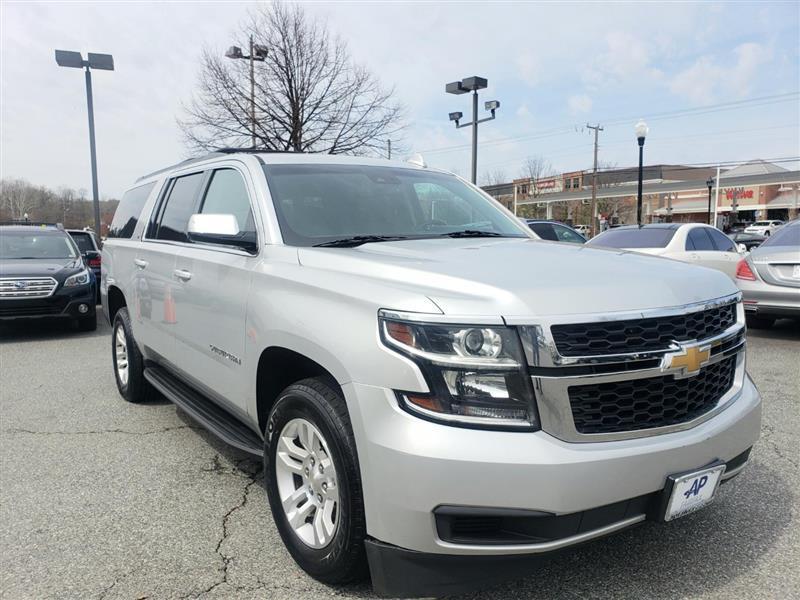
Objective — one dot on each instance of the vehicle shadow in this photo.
(34, 330)
(783, 329)
(657, 561)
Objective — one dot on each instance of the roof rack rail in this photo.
(27, 223)
(251, 150)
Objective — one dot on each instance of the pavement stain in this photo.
(99, 431)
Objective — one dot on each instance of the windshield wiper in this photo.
(472, 233)
(357, 240)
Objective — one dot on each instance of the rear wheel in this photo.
(760, 322)
(313, 481)
(128, 361)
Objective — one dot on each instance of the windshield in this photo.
(786, 236)
(317, 203)
(762, 223)
(35, 244)
(646, 237)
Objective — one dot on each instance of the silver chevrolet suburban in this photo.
(439, 398)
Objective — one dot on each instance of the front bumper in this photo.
(63, 303)
(411, 467)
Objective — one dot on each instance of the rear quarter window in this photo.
(129, 210)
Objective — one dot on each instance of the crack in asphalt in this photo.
(99, 431)
(768, 430)
(227, 559)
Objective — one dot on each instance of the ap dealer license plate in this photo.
(691, 491)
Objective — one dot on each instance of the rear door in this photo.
(726, 255)
(157, 309)
(700, 249)
(214, 284)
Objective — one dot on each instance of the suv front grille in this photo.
(640, 335)
(637, 404)
(27, 287)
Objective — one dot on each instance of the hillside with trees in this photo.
(20, 198)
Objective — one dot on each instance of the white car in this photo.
(763, 227)
(694, 243)
(584, 230)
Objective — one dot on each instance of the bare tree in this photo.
(309, 94)
(495, 177)
(536, 168)
(17, 197)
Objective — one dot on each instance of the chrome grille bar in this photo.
(27, 287)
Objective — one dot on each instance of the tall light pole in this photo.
(104, 62)
(641, 133)
(257, 53)
(472, 84)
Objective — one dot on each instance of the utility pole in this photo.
(597, 129)
(389, 145)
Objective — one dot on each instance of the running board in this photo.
(206, 412)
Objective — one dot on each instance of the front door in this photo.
(215, 285)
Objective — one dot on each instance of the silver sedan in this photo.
(769, 278)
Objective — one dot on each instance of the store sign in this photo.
(546, 186)
(738, 193)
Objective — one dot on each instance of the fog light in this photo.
(83, 308)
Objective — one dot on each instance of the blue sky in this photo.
(553, 67)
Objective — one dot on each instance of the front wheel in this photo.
(313, 481)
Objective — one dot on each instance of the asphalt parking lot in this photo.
(103, 499)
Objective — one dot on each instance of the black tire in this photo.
(759, 322)
(87, 323)
(137, 389)
(319, 401)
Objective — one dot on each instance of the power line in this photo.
(685, 112)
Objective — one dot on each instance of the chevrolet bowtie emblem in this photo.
(689, 359)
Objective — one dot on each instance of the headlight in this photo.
(477, 375)
(81, 278)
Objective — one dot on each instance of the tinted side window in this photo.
(544, 231)
(721, 241)
(698, 240)
(179, 207)
(128, 211)
(227, 195)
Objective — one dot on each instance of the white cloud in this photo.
(529, 68)
(523, 112)
(579, 103)
(706, 80)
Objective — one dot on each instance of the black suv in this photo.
(42, 274)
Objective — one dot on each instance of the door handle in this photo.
(182, 274)
(140, 263)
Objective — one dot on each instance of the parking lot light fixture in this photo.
(466, 85)
(257, 54)
(641, 134)
(103, 62)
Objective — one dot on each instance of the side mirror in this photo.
(220, 229)
(741, 248)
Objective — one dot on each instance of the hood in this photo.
(36, 267)
(523, 277)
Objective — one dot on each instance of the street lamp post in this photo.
(472, 84)
(641, 133)
(104, 62)
(257, 53)
(710, 184)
